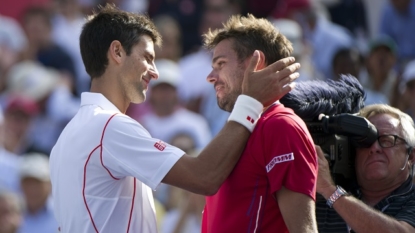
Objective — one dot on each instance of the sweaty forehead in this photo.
(385, 123)
(224, 49)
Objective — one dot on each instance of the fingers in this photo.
(253, 63)
(281, 64)
(287, 71)
(320, 152)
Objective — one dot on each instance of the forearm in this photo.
(217, 160)
(298, 211)
(364, 219)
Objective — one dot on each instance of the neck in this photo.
(374, 192)
(267, 107)
(378, 80)
(34, 209)
(109, 88)
(371, 198)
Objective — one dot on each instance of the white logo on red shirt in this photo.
(160, 145)
(280, 159)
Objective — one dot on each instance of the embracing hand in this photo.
(271, 83)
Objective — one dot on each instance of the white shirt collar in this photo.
(90, 98)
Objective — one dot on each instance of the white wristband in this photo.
(246, 111)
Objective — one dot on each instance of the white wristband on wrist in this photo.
(246, 111)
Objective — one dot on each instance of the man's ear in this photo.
(116, 52)
(261, 63)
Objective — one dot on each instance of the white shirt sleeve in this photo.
(129, 150)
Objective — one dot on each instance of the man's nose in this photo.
(375, 147)
(212, 77)
(154, 73)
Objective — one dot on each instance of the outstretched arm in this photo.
(206, 173)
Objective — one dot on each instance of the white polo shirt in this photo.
(102, 168)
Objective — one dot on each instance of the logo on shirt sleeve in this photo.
(160, 145)
(279, 159)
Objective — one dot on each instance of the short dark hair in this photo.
(106, 26)
(249, 34)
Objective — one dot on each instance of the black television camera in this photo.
(338, 136)
(328, 109)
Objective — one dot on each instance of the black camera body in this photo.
(329, 110)
(339, 136)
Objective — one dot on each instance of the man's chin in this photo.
(225, 106)
(139, 99)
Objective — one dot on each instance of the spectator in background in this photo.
(37, 24)
(18, 116)
(379, 78)
(10, 212)
(52, 95)
(398, 22)
(351, 14)
(346, 61)
(171, 33)
(407, 102)
(38, 216)
(66, 28)
(325, 38)
(9, 164)
(187, 13)
(373, 12)
(12, 41)
(301, 51)
(167, 117)
(186, 214)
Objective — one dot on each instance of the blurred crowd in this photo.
(42, 77)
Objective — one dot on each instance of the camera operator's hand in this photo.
(325, 184)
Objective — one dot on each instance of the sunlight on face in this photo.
(227, 75)
(138, 70)
(377, 163)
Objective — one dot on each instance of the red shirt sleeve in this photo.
(290, 156)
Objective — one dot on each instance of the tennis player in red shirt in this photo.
(273, 186)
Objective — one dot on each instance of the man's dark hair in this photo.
(106, 26)
(248, 34)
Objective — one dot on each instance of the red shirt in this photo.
(280, 152)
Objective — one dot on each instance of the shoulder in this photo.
(282, 118)
(118, 122)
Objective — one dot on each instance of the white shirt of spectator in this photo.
(102, 168)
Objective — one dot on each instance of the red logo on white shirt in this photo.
(160, 145)
(279, 159)
(250, 119)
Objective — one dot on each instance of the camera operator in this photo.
(385, 197)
